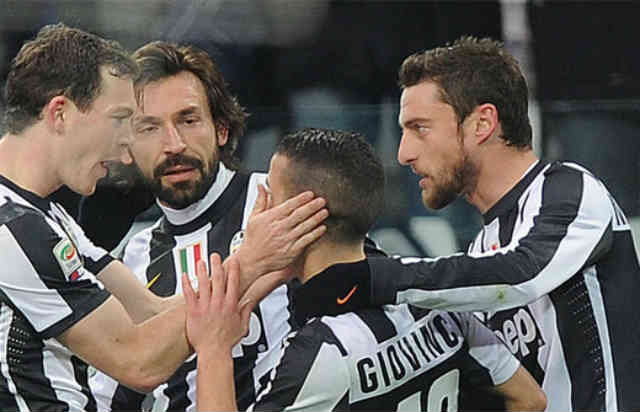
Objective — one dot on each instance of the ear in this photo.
(222, 134)
(486, 122)
(56, 113)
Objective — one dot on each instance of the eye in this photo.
(190, 120)
(147, 129)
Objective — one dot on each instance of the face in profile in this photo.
(176, 145)
(433, 145)
(98, 136)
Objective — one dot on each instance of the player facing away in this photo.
(387, 358)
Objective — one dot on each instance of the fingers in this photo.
(204, 284)
(261, 201)
(307, 239)
(187, 291)
(233, 282)
(296, 204)
(218, 281)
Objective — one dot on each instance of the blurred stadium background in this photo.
(329, 63)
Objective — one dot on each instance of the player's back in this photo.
(391, 358)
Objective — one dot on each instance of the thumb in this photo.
(261, 202)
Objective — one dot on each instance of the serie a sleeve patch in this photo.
(68, 259)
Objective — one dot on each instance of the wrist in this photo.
(250, 268)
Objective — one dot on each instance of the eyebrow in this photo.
(122, 112)
(413, 121)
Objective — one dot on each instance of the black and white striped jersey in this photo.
(160, 254)
(556, 272)
(47, 285)
(390, 358)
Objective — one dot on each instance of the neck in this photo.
(499, 171)
(323, 254)
(27, 159)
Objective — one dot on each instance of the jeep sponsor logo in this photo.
(518, 330)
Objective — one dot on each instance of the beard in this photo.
(449, 185)
(183, 194)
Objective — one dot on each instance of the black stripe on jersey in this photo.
(524, 206)
(80, 370)
(125, 399)
(379, 324)
(298, 363)
(418, 313)
(507, 223)
(514, 194)
(177, 389)
(82, 295)
(26, 368)
(579, 332)
(223, 205)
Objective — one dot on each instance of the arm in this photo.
(139, 356)
(215, 323)
(140, 303)
(571, 229)
(506, 376)
(522, 393)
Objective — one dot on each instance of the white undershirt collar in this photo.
(182, 216)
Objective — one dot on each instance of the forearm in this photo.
(140, 303)
(215, 367)
(159, 346)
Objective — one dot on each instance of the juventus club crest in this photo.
(236, 241)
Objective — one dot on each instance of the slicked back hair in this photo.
(60, 60)
(341, 167)
(161, 60)
(471, 72)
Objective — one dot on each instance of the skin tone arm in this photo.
(273, 238)
(216, 321)
(522, 393)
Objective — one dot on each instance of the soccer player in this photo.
(388, 358)
(69, 97)
(186, 131)
(554, 268)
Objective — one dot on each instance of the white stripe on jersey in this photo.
(595, 295)
(6, 317)
(56, 362)
(22, 284)
(318, 392)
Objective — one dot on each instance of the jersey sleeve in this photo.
(44, 277)
(311, 374)
(488, 350)
(95, 258)
(571, 230)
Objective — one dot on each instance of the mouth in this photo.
(179, 173)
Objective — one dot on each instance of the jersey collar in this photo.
(341, 288)
(511, 197)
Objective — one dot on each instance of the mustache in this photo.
(176, 160)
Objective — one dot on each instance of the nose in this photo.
(173, 142)
(406, 152)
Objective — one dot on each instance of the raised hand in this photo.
(275, 236)
(215, 319)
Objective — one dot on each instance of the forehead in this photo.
(174, 94)
(421, 101)
(116, 93)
